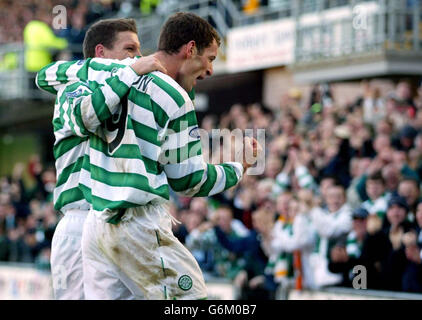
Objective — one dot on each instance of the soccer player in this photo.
(111, 38)
(151, 145)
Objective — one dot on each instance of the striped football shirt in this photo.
(123, 140)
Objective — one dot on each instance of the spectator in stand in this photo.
(392, 176)
(332, 224)
(211, 256)
(200, 207)
(252, 281)
(325, 184)
(393, 166)
(378, 199)
(40, 41)
(357, 169)
(294, 174)
(405, 139)
(415, 155)
(293, 234)
(400, 105)
(409, 189)
(362, 247)
(412, 279)
(339, 152)
(394, 267)
(373, 105)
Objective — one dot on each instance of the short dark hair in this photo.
(376, 176)
(225, 207)
(414, 180)
(183, 27)
(105, 32)
(329, 177)
(338, 185)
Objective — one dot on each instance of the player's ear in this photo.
(191, 49)
(99, 51)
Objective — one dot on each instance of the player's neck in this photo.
(172, 63)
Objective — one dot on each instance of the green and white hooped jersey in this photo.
(122, 139)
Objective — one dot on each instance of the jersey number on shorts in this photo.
(115, 126)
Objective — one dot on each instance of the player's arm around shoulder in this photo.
(108, 81)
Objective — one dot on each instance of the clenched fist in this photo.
(252, 149)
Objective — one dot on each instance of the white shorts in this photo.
(140, 252)
(66, 256)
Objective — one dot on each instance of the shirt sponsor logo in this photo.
(74, 94)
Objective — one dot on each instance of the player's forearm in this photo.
(189, 174)
(220, 178)
(196, 178)
(91, 71)
(57, 74)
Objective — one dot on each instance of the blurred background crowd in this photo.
(15, 15)
(32, 22)
(341, 186)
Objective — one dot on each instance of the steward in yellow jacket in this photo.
(39, 39)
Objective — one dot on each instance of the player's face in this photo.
(198, 67)
(126, 46)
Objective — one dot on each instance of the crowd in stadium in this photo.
(32, 23)
(27, 215)
(15, 15)
(341, 188)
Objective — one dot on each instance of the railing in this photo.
(17, 82)
(381, 26)
(386, 24)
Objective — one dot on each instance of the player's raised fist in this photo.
(252, 149)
